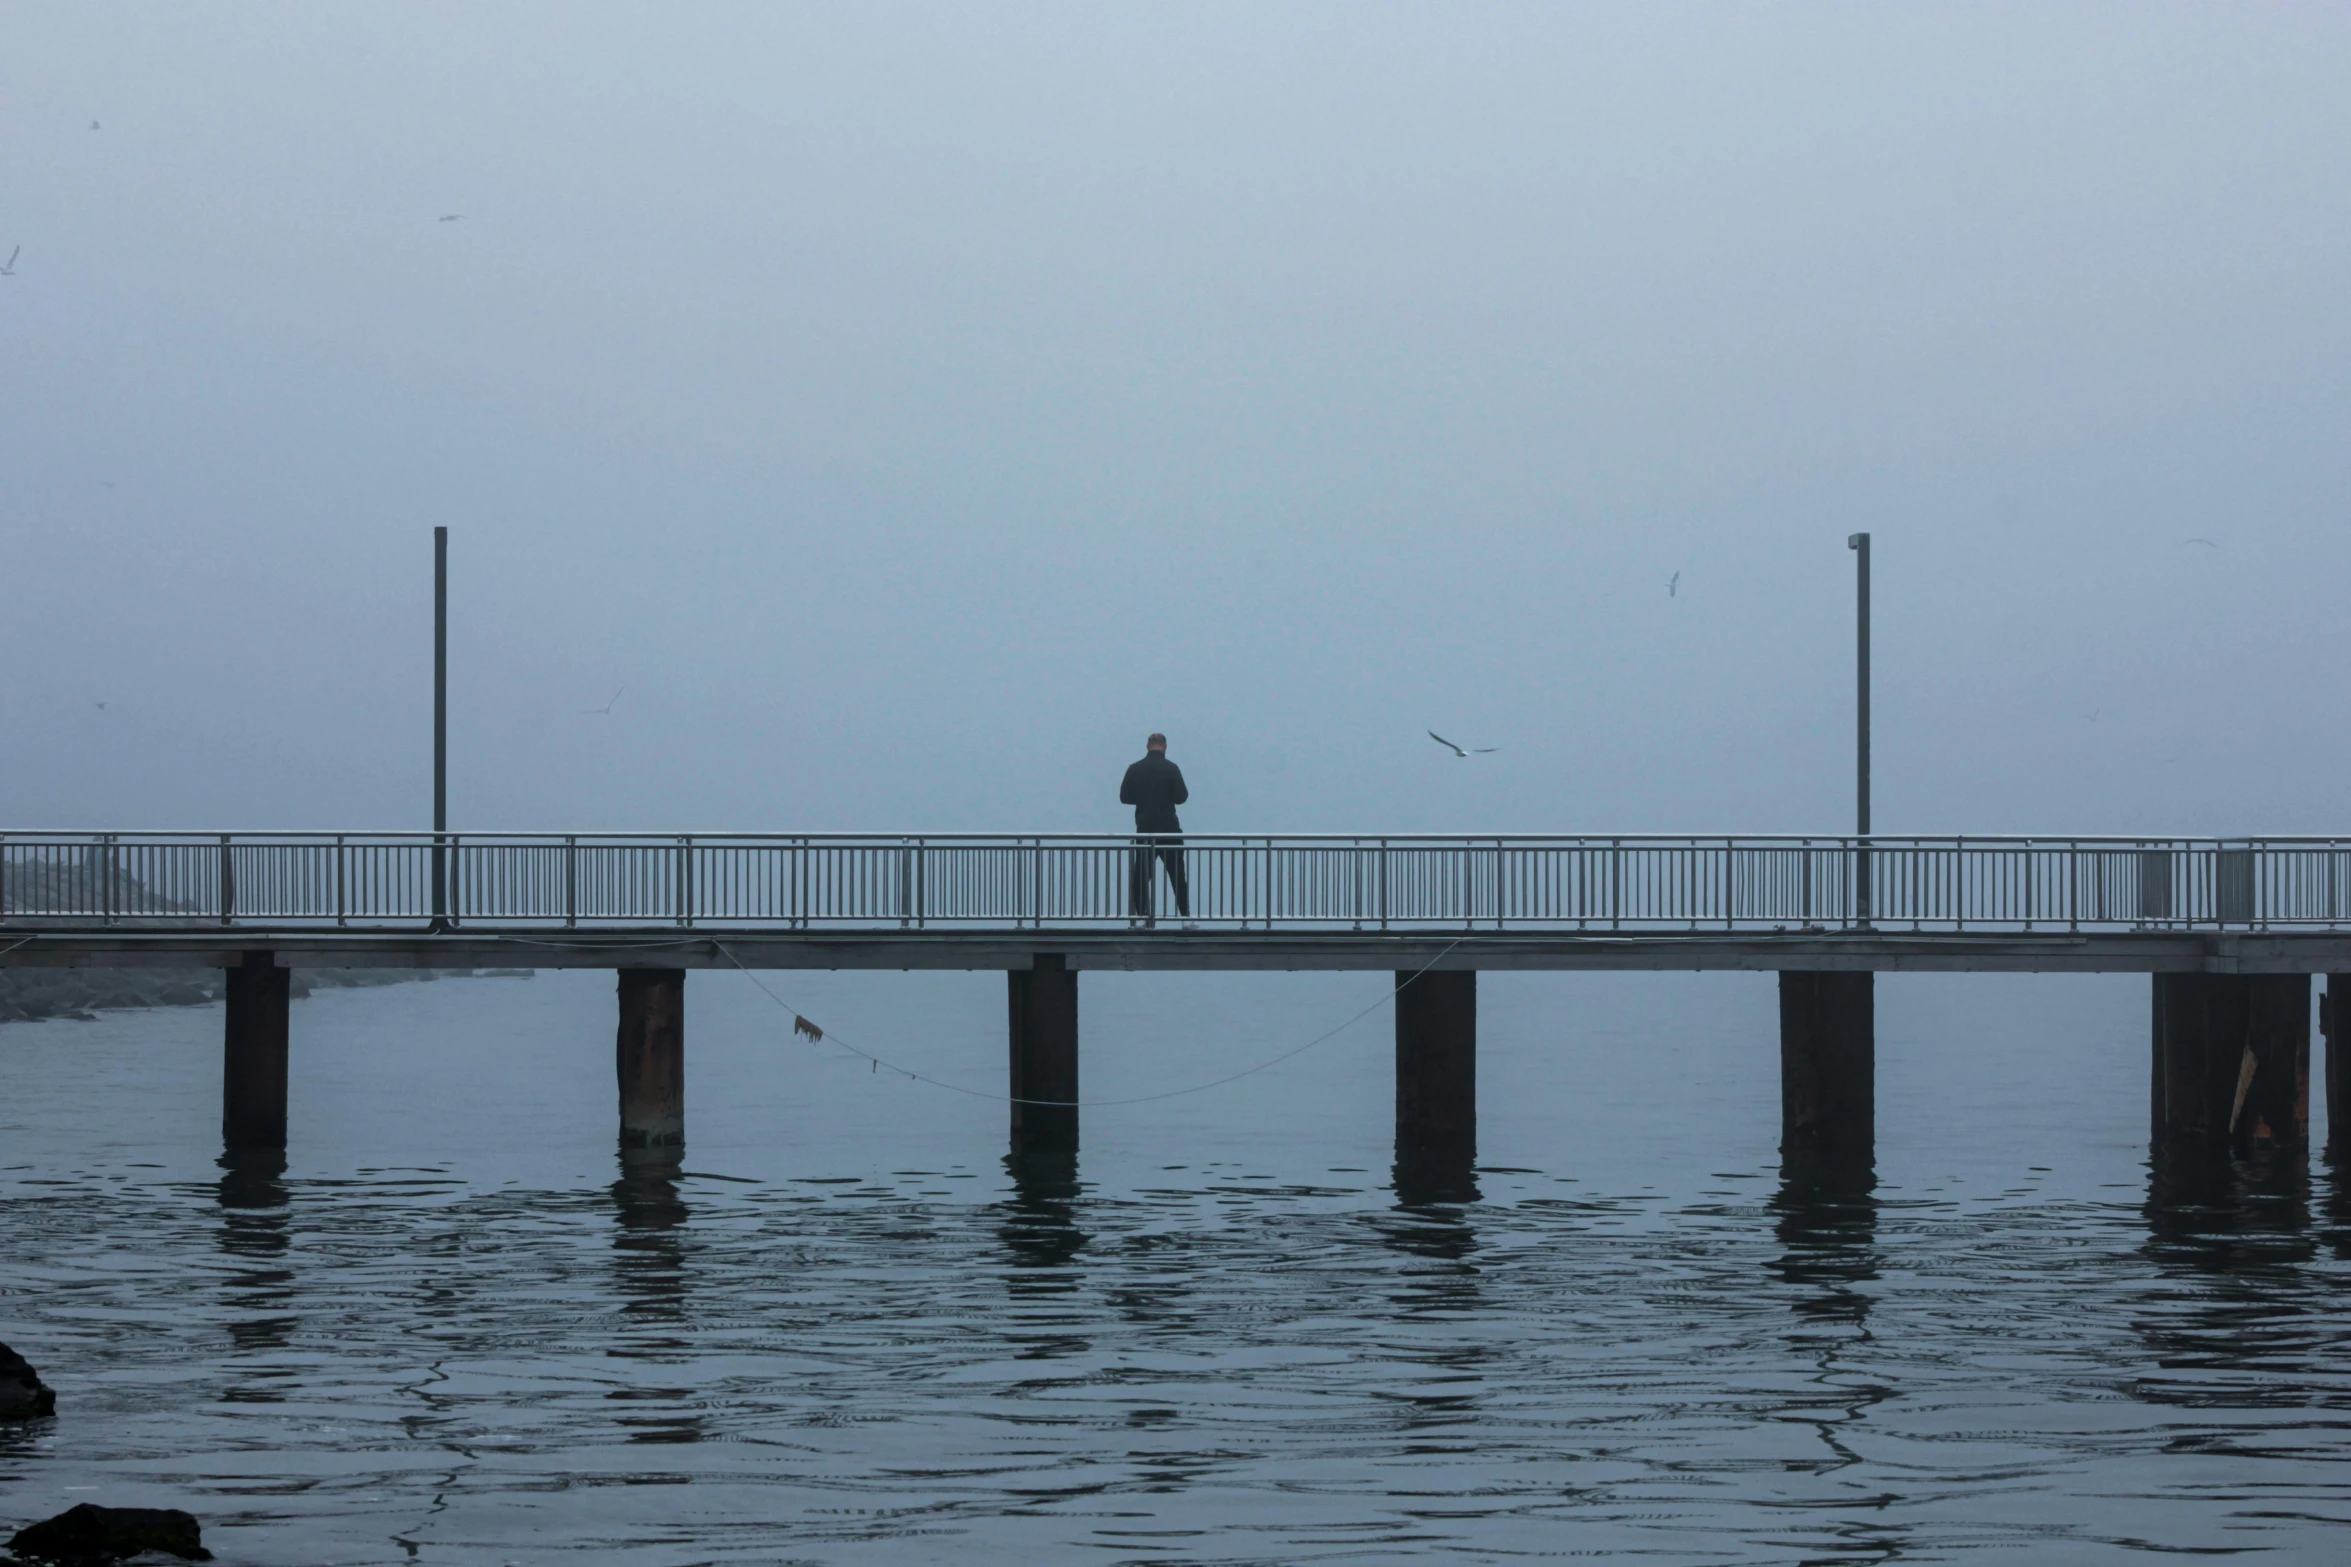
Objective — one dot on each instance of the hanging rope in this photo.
(801, 1025)
(815, 1033)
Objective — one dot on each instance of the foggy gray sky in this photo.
(912, 406)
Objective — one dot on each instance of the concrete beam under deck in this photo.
(2128, 952)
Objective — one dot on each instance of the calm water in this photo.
(455, 1329)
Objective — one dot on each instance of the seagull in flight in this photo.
(10, 269)
(606, 708)
(2207, 543)
(1483, 750)
(93, 125)
(1672, 583)
(450, 217)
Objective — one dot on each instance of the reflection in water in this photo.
(1827, 1217)
(2237, 1233)
(1038, 1226)
(650, 1263)
(1039, 1220)
(1441, 1282)
(650, 1273)
(1431, 1175)
(2338, 1202)
(2214, 1214)
(1216, 1364)
(258, 1289)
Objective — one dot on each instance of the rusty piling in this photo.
(651, 1058)
(2231, 1070)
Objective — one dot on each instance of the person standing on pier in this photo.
(1154, 786)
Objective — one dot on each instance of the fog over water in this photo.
(880, 417)
(905, 408)
(453, 1329)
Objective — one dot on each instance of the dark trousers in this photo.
(1169, 851)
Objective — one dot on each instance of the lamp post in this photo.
(440, 727)
(1858, 543)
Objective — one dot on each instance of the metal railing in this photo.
(1252, 882)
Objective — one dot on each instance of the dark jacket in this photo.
(1154, 786)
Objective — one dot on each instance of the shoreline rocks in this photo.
(23, 1395)
(73, 879)
(31, 994)
(90, 1534)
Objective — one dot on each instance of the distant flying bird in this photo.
(2207, 543)
(450, 217)
(101, 706)
(93, 125)
(10, 269)
(606, 708)
(1483, 750)
(1672, 583)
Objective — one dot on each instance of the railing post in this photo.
(1958, 886)
(685, 881)
(342, 900)
(571, 880)
(228, 883)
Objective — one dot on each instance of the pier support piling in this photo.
(253, 1055)
(1043, 1005)
(2334, 1015)
(652, 1058)
(2232, 1063)
(1828, 1065)
(1437, 1064)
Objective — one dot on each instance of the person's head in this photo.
(1155, 743)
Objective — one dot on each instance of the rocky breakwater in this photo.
(85, 880)
(27, 994)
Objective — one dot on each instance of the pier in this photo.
(2230, 931)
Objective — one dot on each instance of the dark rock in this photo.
(93, 1534)
(23, 1395)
